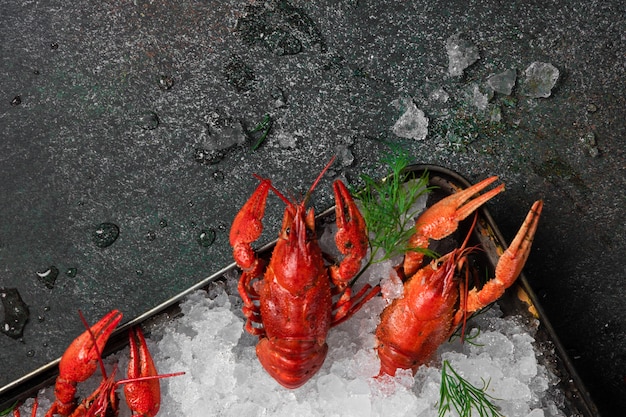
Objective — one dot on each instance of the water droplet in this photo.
(148, 120)
(190, 203)
(105, 234)
(71, 272)
(41, 318)
(208, 156)
(44, 344)
(163, 223)
(15, 313)
(30, 353)
(17, 100)
(239, 75)
(166, 82)
(49, 276)
(54, 46)
(46, 308)
(139, 272)
(206, 237)
(218, 175)
(150, 236)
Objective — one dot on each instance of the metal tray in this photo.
(519, 299)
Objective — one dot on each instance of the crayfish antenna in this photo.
(465, 289)
(319, 178)
(95, 343)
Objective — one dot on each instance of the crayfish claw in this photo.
(443, 217)
(80, 360)
(143, 396)
(247, 225)
(510, 264)
(351, 238)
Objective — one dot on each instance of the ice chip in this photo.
(331, 388)
(540, 78)
(413, 124)
(358, 387)
(367, 363)
(479, 99)
(461, 54)
(493, 343)
(537, 412)
(503, 82)
(391, 286)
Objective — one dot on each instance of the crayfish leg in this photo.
(347, 305)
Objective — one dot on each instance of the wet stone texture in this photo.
(107, 115)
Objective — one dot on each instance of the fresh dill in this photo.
(264, 127)
(470, 337)
(457, 392)
(388, 207)
(8, 410)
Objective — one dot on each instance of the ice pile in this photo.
(224, 377)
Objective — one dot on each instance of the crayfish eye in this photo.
(287, 231)
(438, 264)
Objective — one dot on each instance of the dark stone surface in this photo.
(105, 105)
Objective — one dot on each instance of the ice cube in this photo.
(503, 82)
(540, 79)
(413, 124)
(461, 54)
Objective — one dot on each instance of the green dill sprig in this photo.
(387, 207)
(264, 127)
(457, 392)
(470, 337)
(9, 410)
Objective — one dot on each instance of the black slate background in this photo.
(96, 138)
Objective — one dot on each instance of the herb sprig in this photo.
(9, 410)
(387, 207)
(264, 127)
(457, 392)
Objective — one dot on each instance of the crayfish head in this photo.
(297, 258)
(434, 290)
(443, 279)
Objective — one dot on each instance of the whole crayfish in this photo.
(436, 300)
(288, 302)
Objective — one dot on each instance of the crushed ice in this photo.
(224, 376)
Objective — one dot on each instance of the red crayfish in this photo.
(435, 300)
(288, 303)
(80, 361)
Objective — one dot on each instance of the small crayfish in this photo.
(288, 302)
(435, 300)
(81, 359)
